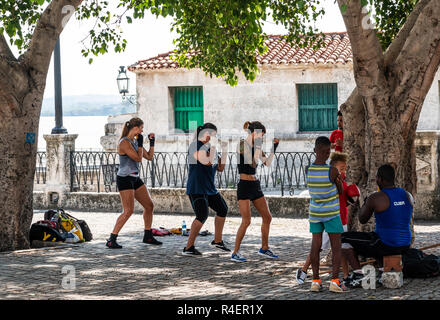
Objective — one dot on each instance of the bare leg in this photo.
(335, 242)
(143, 197)
(344, 264)
(219, 223)
(351, 258)
(127, 199)
(307, 264)
(314, 253)
(245, 211)
(262, 207)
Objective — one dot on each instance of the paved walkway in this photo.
(140, 271)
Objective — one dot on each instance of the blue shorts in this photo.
(331, 226)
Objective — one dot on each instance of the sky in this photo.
(146, 38)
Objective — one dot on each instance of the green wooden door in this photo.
(318, 106)
(188, 108)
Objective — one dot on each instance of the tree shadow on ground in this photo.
(140, 271)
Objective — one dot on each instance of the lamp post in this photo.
(59, 129)
(123, 85)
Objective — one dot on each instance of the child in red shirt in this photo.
(337, 136)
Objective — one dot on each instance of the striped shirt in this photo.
(324, 197)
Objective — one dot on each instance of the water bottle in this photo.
(183, 227)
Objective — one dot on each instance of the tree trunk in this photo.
(381, 115)
(17, 167)
(22, 84)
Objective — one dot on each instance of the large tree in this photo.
(394, 65)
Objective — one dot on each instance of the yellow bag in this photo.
(69, 224)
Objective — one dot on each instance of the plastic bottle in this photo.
(183, 227)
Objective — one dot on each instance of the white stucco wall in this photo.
(271, 99)
(430, 115)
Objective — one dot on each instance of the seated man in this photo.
(392, 208)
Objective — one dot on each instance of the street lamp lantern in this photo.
(123, 81)
(123, 85)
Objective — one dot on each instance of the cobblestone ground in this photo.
(140, 271)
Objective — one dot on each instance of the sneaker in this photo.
(337, 286)
(354, 280)
(301, 276)
(237, 257)
(192, 251)
(220, 245)
(316, 286)
(113, 244)
(152, 240)
(267, 254)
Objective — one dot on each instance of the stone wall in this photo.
(173, 201)
(428, 187)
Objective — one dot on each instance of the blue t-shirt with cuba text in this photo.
(200, 177)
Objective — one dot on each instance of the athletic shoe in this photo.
(192, 251)
(151, 240)
(221, 245)
(113, 244)
(354, 280)
(301, 276)
(267, 254)
(337, 286)
(237, 257)
(316, 286)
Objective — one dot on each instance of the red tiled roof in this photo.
(337, 50)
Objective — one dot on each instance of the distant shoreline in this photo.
(77, 115)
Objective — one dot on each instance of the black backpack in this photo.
(417, 264)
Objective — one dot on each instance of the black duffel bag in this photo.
(43, 231)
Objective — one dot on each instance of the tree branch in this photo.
(417, 64)
(368, 58)
(399, 41)
(5, 50)
(45, 36)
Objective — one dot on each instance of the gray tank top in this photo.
(127, 166)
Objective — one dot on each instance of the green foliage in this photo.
(389, 16)
(18, 20)
(227, 35)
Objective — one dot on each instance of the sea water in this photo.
(89, 129)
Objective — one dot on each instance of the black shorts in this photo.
(202, 202)
(368, 245)
(129, 182)
(249, 190)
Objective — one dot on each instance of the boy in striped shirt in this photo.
(325, 185)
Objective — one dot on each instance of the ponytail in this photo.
(128, 125)
(246, 125)
(250, 127)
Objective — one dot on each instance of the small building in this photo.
(296, 96)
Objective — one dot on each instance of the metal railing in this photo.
(97, 171)
(40, 168)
